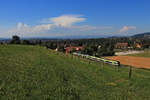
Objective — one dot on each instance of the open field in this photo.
(144, 54)
(130, 52)
(36, 73)
(138, 62)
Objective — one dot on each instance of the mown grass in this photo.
(36, 73)
(144, 54)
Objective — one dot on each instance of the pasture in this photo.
(144, 54)
(37, 73)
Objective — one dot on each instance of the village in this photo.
(120, 48)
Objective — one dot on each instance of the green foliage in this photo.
(26, 42)
(51, 45)
(106, 50)
(35, 73)
(15, 40)
(61, 48)
(97, 50)
(90, 50)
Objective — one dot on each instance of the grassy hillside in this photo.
(145, 54)
(36, 73)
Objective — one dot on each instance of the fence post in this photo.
(103, 64)
(130, 72)
(118, 67)
(72, 56)
(89, 61)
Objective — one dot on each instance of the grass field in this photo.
(36, 73)
(145, 54)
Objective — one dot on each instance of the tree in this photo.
(15, 40)
(73, 50)
(106, 50)
(61, 48)
(26, 42)
(88, 50)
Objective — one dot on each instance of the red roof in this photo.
(68, 49)
(122, 45)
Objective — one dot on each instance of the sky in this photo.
(73, 18)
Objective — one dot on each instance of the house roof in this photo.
(72, 47)
(122, 44)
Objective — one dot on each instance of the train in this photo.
(107, 61)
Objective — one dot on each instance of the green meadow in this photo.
(144, 54)
(37, 73)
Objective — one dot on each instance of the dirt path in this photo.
(139, 62)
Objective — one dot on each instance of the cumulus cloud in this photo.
(19, 26)
(24, 28)
(42, 27)
(58, 25)
(64, 20)
(127, 28)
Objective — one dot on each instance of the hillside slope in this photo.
(142, 35)
(36, 73)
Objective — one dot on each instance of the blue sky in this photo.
(60, 18)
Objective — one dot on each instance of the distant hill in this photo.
(142, 35)
(4, 39)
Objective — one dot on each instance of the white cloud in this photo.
(60, 21)
(61, 25)
(127, 28)
(64, 20)
(25, 29)
(25, 26)
(42, 27)
(19, 26)
(38, 28)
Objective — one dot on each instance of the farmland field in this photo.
(138, 62)
(36, 73)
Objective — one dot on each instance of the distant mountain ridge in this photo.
(145, 35)
(142, 35)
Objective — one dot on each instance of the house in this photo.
(69, 49)
(121, 45)
(145, 45)
(56, 49)
(138, 45)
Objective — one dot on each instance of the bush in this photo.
(15, 40)
(26, 42)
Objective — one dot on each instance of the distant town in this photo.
(95, 47)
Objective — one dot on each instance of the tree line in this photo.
(95, 47)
